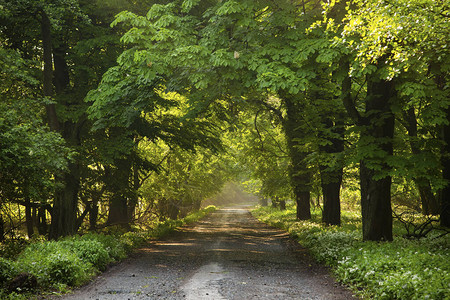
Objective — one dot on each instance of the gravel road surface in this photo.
(227, 255)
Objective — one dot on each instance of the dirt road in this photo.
(227, 255)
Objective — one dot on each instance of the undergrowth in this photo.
(402, 269)
(72, 261)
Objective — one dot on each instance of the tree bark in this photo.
(93, 214)
(331, 177)
(42, 221)
(430, 203)
(118, 185)
(300, 175)
(376, 186)
(445, 195)
(134, 195)
(28, 213)
(65, 206)
(173, 209)
(52, 118)
(263, 201)
(282, 204)
(2, 228)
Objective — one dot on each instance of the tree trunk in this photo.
(430, 203)
(263, 200)
(93, 215)
(300, 175)
(28, 213)
(34, 216)
(134, 195)
(282, 204)
(173, 209)
(375, 206)
(42, 221)
(376, 184)
(64, 212)
(118, 210)
(445, 195)
(48, 71)
(118, 185)
(331, 214)
(274, 203)
(331, 176)
(2, 228)
(65, 206)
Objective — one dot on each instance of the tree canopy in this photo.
(154, 113)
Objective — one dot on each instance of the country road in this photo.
(227, 255)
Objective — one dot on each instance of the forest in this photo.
(117, 115)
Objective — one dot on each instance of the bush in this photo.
(329, 247)
(402, 269)
(12, 248)
(74, 260)
(132, 240)
(111, 243)
(7, 270)
(53, 262)
(67, 268)
(90, 251)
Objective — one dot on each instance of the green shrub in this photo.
(5, 295)
(164, 228)
(53, 262)
(329, 247)
(111, 243)
(73, 260)
(132, 240)
(402, 269)
(90, 251)
(66, 267)
(8, 270)
(12, 248)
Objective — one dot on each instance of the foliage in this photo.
(167, 226)
(402, 269)
(111, 243)
(53, 262)
(89, 251)
(195, 216)
(8, 270)
(29, 153)
(72, 261)
(10, 249)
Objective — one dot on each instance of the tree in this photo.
(384, 48)
(194, 55)
(74, 42)
(29, 153)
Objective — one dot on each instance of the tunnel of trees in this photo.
(119, 112)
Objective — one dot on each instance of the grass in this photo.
(402, 269)
(72, 261)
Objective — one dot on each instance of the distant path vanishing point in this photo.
(227, 255)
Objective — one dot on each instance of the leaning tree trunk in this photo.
(375, 181)
(300, 174)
